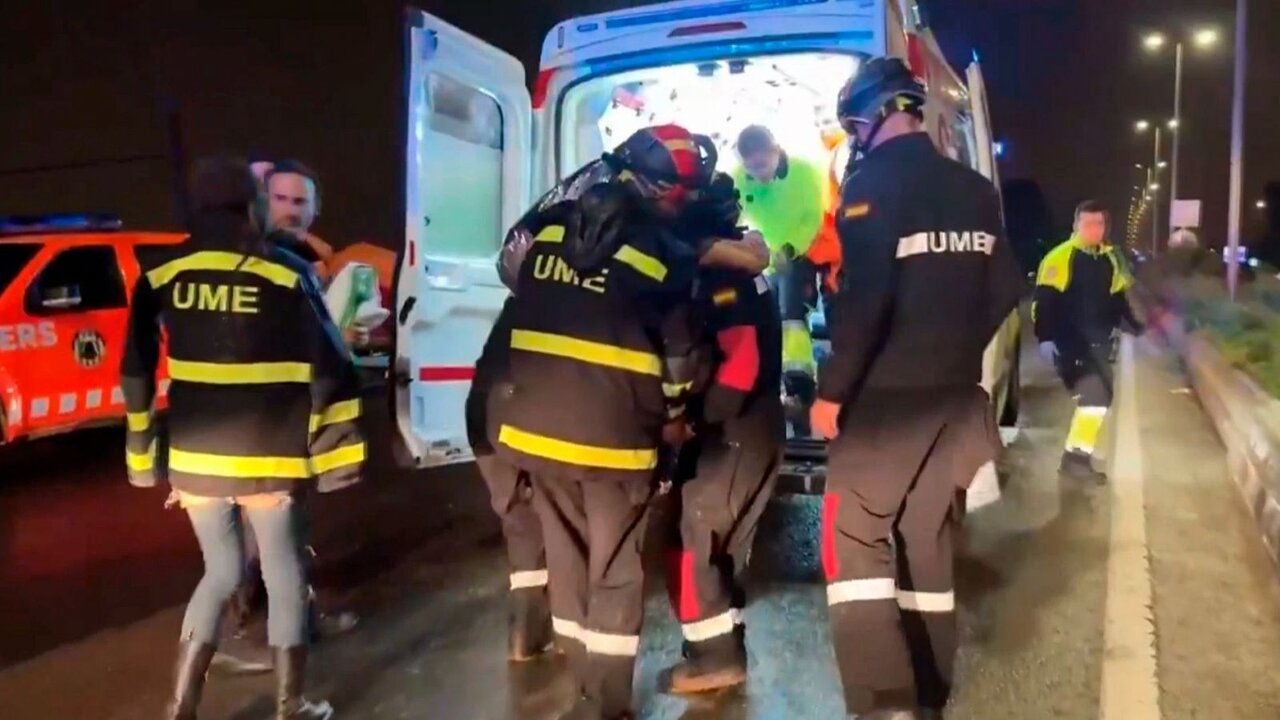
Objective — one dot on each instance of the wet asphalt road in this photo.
(101, 572)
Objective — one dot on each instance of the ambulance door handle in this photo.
(407, 308)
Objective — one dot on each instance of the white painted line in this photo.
(1130, 680)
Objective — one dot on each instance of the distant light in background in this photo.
(1262, 204)
(999, 148)
(1142, 126)
(1162, 165)
(1155, 186)
(1206, 38)
(1173, 124)
(1154, 41)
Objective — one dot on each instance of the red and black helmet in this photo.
(669, 158)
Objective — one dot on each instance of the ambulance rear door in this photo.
(468, 166)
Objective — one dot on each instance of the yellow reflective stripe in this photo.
(345, 456)
(138, 422)
(238, 466)
(141, 462)
(1055, 269)
(674, 390)
(223, 262)
(644, 264)
(551, 234)
(587, 351)
(344, 411)
(675, 411)
(1120, 278)
(1086, 426)
(576, 454)
(239, 373)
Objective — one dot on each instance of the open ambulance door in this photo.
(982, 124)
(468, 168)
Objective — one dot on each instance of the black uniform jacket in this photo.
(263, 396)
(598, 362)
(928, 273)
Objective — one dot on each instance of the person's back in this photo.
(947, 221)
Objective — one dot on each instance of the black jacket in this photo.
(1081, 297)
(263, 396)
(928, 275)
(598, 363)
(742, 323)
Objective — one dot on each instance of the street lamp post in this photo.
(1237, 149)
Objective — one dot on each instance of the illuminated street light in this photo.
(1162, 164)
(1142, 126)
(1154, 41)
(1206, 37)
(1155, 186)
(1173, 124)
(1262, 204)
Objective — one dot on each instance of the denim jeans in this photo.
(279, 529)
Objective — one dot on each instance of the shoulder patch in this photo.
(725, 296)
(1051, 273)
(857, 210)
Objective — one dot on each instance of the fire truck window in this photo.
(78, 280)
(13, 258)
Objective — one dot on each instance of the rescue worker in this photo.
(730, 468)
(262, 409)
(785, 198)
(511, 494)
(293, 205)
(1081, 299)
(928, 279)
(600, 367)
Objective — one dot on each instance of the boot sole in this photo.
(709, 682)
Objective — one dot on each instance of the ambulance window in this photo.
(13, 258)
(78, 280)
(464, 134)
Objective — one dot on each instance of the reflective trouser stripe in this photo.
(143, 461)
(529, 579)
(942, 602)
(797, 348)
(847, 591)
(239, 373)
(1086, 425)
(577, 454)
(139, 421)
(597, 642)
(711, 628)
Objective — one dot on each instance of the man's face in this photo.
(1091, 227)
(291, 203)
(763, 165)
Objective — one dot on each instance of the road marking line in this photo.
(1130, 680)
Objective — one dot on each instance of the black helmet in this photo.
(869, 93)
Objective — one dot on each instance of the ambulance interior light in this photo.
(62, 222)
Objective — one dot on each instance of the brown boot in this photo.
(291, 666)
(188, 683)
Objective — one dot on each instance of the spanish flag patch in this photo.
(858, 210)
(727, 296)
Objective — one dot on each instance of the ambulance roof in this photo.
(669, 25)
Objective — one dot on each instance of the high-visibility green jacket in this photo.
(789, 209)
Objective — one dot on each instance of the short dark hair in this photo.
(755, 139)
(295, 167)
(222, 184)
(1091, 207)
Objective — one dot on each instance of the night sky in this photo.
(89, 88)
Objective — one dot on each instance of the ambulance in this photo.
(481, 148)
(65, 286)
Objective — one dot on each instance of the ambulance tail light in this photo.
(540, 88)
(708, 29)
(69, 222)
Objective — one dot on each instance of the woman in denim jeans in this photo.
(263, 405)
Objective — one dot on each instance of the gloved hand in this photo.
(1049, 351)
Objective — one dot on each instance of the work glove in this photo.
(1049, 351)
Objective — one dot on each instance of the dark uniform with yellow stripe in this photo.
(598, 365)
(728, 471)
(1081, 298)
(263, 395)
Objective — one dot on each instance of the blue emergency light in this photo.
(999, 148)
(59, 223)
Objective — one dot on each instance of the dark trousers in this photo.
(1086, 372)
(511, 494)
(594, 531)
(719, 511)
(887, 526)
